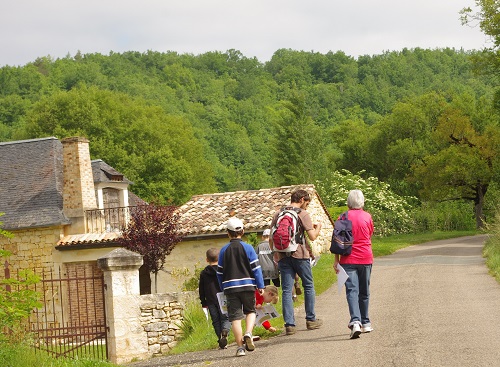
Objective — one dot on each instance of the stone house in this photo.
(66, 211)
(203, 220)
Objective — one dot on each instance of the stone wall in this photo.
(32, 248)
(161, 317)
(140, 326)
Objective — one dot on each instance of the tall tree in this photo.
(299, 147)
(488, 17)
(465, 163)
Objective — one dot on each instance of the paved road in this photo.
(432, 304)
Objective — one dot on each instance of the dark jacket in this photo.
(239, 269)
(209, 286)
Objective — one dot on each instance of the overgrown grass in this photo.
(491, 250)
(199, 333)
(21, 355)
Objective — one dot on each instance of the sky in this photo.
(257, 28)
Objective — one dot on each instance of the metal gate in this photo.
(72, 322)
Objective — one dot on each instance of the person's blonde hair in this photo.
(273, 291)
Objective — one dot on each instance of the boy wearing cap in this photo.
(239, 273)
(267, 263)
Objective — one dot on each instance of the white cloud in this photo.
(32, 28)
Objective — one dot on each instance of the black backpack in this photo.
(342, 237)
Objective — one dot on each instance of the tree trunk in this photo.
(478, 206)
(144, 280)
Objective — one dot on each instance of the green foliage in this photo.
(192, 283)
(198, 331)
(4, 233)
(180, 125)
(491, 250)
(17, 300)
(443, 216)
(20, 354)
(390, 212)
(252, 238)
(157, 151)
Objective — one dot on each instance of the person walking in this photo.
(239, 274)
(358, 265)
(208, 287)
(266, 260)
(298, 262)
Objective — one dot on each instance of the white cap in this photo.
(234, 224)
(266, 232)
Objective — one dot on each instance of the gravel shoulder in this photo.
(432, 304)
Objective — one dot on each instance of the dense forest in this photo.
(178, 124)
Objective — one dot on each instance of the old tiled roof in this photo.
(103, 172)
(88, 240)
(208, 214)
(31, 183)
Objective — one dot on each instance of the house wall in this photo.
(32, 248)
(182, 263)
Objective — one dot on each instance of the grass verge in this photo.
(21, 355)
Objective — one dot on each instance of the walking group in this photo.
(244, 274)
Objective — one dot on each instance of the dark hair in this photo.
(235, 234)
(212, 254)
(299, 194)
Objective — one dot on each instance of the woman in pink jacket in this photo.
(358, 265)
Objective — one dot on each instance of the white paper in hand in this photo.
(266, 312)
(341, 277)
(205, 310)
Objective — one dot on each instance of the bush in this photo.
(17, 300)
(390, 212)
(446, 216)
(491, 250)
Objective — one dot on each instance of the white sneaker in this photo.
(248, 340)
(366, 329)
(240, 352)
(355, 331)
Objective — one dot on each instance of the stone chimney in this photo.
(78, 191)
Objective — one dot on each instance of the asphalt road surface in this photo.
(432, 304)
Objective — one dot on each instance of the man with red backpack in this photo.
(293, 253)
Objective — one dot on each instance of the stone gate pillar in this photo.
(127, 339)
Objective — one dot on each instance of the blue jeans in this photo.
(288, 267)
(357, 288)
(219, 320)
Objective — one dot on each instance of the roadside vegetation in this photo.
(491, 250)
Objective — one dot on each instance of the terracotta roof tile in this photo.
(208, 214)
(88, 239)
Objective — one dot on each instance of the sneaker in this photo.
(298, 290)
(248, 340)
(290, 330)
(223, 339)
(316, 324)
(294, 298)
(240, 352)
(256, 338)
(366, 329)
(355, 331)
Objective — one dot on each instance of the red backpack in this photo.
(285, 233)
